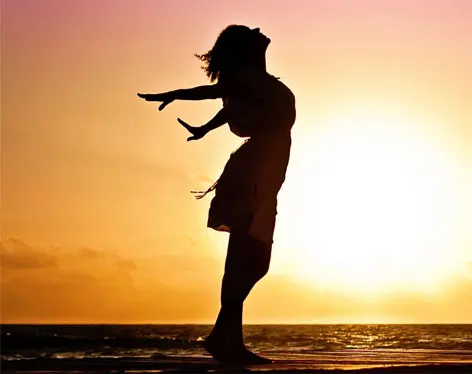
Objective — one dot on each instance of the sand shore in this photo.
(202, 365)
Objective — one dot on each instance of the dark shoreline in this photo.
(148, 365)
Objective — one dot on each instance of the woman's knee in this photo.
(261, 255)
(249, 256)
(262, 270)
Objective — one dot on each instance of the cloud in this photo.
(89, 253)
(50, 284)
(17, 255)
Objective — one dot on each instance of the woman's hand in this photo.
(166, 98)
(197, 132)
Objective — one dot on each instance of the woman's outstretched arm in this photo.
(196, 93)
(199, 132)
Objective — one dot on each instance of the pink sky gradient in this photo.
(87, 164)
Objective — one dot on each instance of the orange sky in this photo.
(98, 224)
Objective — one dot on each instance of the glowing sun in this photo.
(367, 207)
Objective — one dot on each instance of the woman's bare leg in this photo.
(247, 261)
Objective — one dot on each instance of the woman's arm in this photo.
(217, 121)
(196, 93)
(199, 132)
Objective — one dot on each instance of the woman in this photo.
(259, 107)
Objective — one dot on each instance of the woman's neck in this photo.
(260, 63)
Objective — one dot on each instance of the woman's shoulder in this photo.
(281, 88)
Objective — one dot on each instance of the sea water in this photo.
(351, 344)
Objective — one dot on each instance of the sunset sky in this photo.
(375, 217)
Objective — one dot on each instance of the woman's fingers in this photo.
(155, 97)
(148, 97)
(166, 98)
(164, 104)
(184, 124)
(196, 131)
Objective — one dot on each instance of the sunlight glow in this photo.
(368, 208)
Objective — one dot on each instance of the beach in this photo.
(293, 348)
(195, 365)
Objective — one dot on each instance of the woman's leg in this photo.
(247, 261)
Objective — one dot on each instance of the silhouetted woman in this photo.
(259, 107)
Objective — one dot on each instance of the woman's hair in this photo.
(232, 51)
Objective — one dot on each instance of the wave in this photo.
(17, 343)
(147, 340)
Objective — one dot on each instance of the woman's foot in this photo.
(242, 357)
(248, 357)
(232, 354)
(214, 347)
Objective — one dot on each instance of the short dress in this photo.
(245, 198)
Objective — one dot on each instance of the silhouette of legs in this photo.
(247, 261)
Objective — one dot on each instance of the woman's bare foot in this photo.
(214, 347)
(232, 354)
(241, 358)
(252, 358)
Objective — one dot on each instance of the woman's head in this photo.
(235, 48)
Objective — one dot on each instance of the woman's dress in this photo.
(261, 108)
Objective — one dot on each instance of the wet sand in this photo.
(204, 365)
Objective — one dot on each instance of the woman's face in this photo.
(261, 40)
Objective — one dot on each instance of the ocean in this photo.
(348, 344)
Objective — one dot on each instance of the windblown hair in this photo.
(230, 53)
